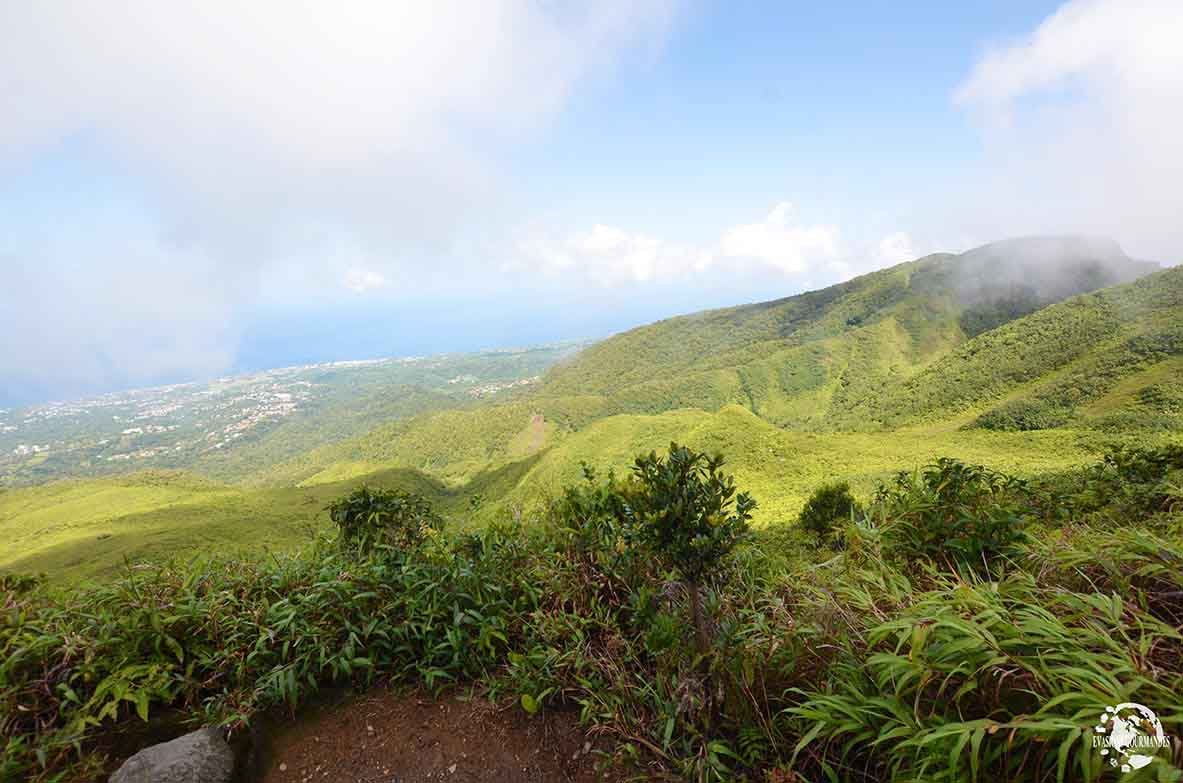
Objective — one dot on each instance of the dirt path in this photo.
(537, 433)
(385, 737)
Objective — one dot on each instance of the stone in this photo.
(201, 756)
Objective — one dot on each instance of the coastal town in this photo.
(176, 425)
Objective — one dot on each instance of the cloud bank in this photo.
(1081, 119)
(778, 246)
(272, 141)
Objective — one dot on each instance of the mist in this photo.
(1045, 268)
(1079, 125)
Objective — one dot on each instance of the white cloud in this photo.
(298, 89)
(90, 327)
(261, 136)
(610, 256)
(1082, 120)
(894, 249)
(362, 281)
(775, 245)
(786, 248)
(1122, 47)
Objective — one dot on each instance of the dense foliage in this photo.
(956, 515)
(995, 312)
(864, 665)
(683, 509)
(383, 518)
(828, 507)
(686, 510)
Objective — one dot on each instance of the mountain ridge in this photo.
(851, 382)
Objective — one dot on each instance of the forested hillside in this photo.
(925, 466)
(1026, 355)
(883, 351)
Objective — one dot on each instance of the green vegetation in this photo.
(80, 530)
(883, 661)
(685, 511)
(997, 467)
(828, 507)
(962, 516)
(369, 519)
(234, 428)
(849, 383)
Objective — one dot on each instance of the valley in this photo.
(855, 382)
(629, 390)
(928, 469)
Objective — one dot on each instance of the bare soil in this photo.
(386, 737)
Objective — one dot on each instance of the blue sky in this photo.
(191, 188)
(753, 101)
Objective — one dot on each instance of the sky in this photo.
(189, 189)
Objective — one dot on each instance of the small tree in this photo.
(390, 518)
(828, 504)
(683, 509)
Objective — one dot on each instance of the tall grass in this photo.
(873, 662)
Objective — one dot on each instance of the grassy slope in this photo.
(1096, 339)
(855, 381)
(880, 352)
(780, 468)
(83, 529)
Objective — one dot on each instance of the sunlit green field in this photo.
(854, 383)
(84, 529)
(76, 530)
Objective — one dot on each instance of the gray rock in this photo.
(199, 757)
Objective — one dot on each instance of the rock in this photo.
(201, 756)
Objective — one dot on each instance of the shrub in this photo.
(1025, 415)
(854, 669)
(1162, 397)
(955, 515)
(383, 518)
(1131, 483)
(829, 503)
(684, 510)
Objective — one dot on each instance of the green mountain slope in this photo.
(884, 350)
(1008, 356)
(810, 359)
(81, 529)
(1034, 372)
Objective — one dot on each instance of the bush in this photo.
(1025, 415)
(684, 510)
(1131, 484)
(829, 504)
(955, 515)
(854, 669)
(221, 640)
(383, 518)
